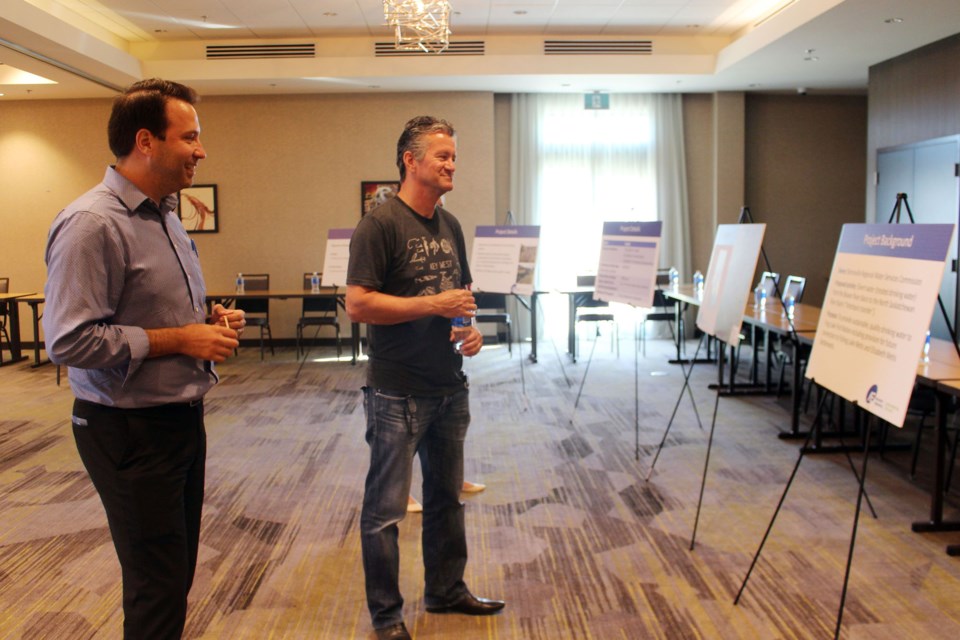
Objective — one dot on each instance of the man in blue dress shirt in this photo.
(125, 311)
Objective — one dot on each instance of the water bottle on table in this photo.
(315, 283)
(674, 277)
(790, 306)
(240, 283)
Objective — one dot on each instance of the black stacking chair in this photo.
(317, 312)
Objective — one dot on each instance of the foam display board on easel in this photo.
(629, 255)
(336, 258)
(504, 258)
(881, 295)
(726, 288)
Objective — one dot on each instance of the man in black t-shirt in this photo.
(406, 279)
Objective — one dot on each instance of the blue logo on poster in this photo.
(872, 394)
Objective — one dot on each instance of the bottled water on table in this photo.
(240, 283)
(315, 283)
(674, 277)
(789, 306)
(697, 281)
(926, 348)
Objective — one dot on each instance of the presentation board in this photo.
(879, 301)
(336, 258)
(629, 255)
(504, 258)
(726, 289)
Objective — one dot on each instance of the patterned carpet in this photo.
(568, 532)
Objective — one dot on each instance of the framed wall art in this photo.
(375, 193)
(197, 209)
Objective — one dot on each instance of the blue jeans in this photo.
(398, 427)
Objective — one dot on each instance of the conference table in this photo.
(13, 318)
(229, 298)
(686, 296)
(941, 373)
(767, 321)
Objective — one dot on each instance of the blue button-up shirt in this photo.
(116, 266)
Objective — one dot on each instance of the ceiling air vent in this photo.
(597, 47)
(244, 51)
(460, 48)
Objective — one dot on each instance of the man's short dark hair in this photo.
(143, 105)
(413, 138)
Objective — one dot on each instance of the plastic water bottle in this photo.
(674, 277)
(315, 283)
(697, 281)
(240, 284)
(790, 306)
(763, 299)
(926, 348)
(462, 325)
(758, 296)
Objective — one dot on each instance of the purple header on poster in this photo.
(339, 234)
(910, 241)
(510, 231)
(628, 243)
(648, 229)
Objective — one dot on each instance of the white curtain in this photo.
(572, 169)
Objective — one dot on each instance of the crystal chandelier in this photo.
(422, 25)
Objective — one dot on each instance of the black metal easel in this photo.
(895, 215)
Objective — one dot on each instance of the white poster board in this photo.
(336, 258)
(726, 288)
(874, 320)
(504, 258)
(629, 255)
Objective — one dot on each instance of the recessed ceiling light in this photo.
(565, 84)
(519, 12)
(373, 86)
(811, 59)
(809, 51)
(330, 14)
(893, 20)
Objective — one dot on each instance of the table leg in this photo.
(533, 327)
(13, 316)
(35, 312)
(936, 522)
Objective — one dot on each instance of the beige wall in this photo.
(287, 169)
(699, 147)
(806, 176)
(796, 161)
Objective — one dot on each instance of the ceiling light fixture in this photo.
(419, 24)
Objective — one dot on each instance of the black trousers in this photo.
(148, 467)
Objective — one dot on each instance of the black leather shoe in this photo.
(393, 632)
(470, 605)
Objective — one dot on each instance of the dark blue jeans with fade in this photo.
(399, 426)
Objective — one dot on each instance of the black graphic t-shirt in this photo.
(400, 253)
